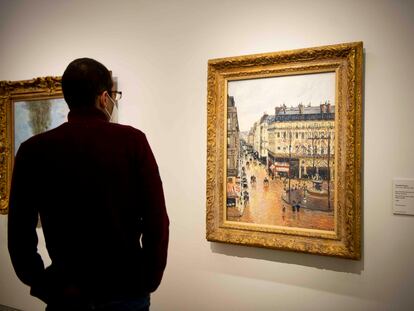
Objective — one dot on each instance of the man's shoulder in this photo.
(60, 134)
(42, 137)
(128, 130)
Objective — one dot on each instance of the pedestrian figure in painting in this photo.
(246, 198)
(244, 182)
(266, 182)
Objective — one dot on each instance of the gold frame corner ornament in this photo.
(10, 92)
(346, 61)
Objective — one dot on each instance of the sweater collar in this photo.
(86, 114)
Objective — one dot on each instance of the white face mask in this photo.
(113, 117)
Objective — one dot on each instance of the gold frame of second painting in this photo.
(345, 60)
(42, 88)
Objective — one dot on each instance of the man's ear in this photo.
(102, 100)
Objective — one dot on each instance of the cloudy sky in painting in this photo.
(256, 96)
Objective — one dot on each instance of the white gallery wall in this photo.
(159, 52)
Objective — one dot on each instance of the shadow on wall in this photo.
(6, 308)
(302, 259)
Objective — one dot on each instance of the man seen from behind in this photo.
(97, 189)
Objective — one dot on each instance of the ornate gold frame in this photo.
(10, 92)
(346, 61)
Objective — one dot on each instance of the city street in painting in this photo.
(281, 151)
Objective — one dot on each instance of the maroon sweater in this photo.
(98, 191)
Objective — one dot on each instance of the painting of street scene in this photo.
(281, 151)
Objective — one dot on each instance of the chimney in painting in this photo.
(301, 108)
(323, 108)
(278, 110)
(328, 107)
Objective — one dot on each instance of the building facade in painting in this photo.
(258, 137)
(233, 139)
(297, 141)
(251, 135)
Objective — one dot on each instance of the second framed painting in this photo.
(27, 108)
(284, 150)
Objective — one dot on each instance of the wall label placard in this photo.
(403, 196)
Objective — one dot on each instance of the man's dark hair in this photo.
(83, 80)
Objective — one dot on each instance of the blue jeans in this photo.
(130, 304)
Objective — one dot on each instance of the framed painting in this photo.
(27, 108)
(284, 139)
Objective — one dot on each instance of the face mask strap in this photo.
(108, 114)
(115, 106)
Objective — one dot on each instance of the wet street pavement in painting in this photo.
(267, 207)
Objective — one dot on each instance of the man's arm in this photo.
(22, 221)
(155, 220)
